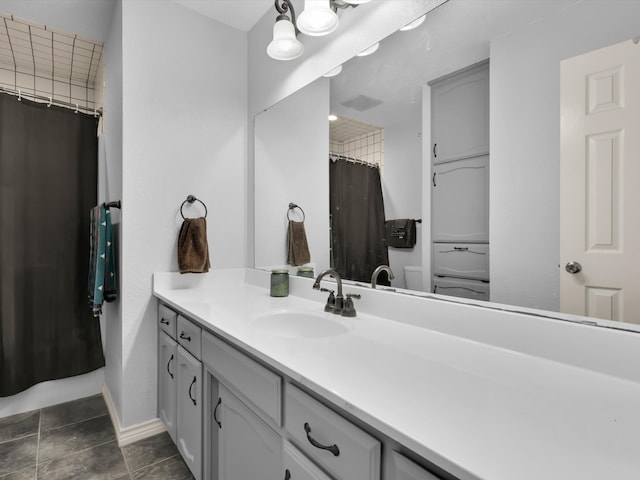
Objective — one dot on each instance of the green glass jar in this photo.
(305, 272)
(279, 282)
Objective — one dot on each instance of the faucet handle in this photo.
(349, 310)
(331, 301)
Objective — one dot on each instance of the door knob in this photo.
(573, 267)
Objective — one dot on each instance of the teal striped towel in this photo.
(102, 265)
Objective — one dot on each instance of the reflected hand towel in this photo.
(298, 249)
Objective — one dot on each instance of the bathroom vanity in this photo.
(253, 386)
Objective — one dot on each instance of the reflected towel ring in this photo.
(192, 199)
(291, 207)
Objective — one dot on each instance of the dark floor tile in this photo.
(28, 473)
(18, 454)
(103, 462)
(149, 451)
(78, 436)
(21, 425)
(173, 468)
(73, 412)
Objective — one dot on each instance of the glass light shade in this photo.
(369, 51)
(415, 24)
(285, 45)
(332, 117)
(333, 72)
(317, 19)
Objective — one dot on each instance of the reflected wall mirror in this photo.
(524, 44)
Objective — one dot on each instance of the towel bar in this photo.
(192, 199)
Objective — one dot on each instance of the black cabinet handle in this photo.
(169, 363)
(163, 321)
(191, 386)
(287, 474)
(215, 412)
(435, 155)
(332, 448)
(434, 179)
(184, 337)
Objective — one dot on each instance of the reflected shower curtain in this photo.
(357, 221)
(48, 184)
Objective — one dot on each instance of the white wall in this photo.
(402, 186)
(184, 132)
(525, 144)
(292, 165)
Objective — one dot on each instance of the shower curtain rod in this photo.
(50, 101)
(336, 156)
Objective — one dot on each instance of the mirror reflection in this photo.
(396, 110)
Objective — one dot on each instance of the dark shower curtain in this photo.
(48, 184)
(357, 221)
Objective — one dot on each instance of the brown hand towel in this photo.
(297, 244)
(193, 250)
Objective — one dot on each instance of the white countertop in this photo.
(477, 410)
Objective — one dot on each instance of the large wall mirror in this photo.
(524, 44)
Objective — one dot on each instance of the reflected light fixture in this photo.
(370, 50)
(319, 18)
(332, 117)
(415, 24)
(333, 72)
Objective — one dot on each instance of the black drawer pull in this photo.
(287, 474)
(332, 448)
(169, 363)
(184, 337)
(461, 249)
(215, 412)
(435, 155)
(190, 386)
(164, 322)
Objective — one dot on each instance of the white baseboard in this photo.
(131, 434)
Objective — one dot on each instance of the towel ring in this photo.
(291, 207)
(192, 199)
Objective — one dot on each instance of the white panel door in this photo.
(460, 201)
(600, 183)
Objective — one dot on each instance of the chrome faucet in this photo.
(376, 272)
(336, 304)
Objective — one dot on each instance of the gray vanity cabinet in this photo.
(180, 385)
(405, 469)
(167, 360)
(189, 410)
(247, 446)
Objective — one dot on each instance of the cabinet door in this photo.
(460, 123)
(298, 467)
(460, 201)
(167, 368)
(189, 408)
(248, 448)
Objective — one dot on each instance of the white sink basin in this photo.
(300, 324)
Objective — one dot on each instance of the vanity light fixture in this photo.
(332, 117)
(319, 18)
(370, 50)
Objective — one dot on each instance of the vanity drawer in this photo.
(257, 384)
(461, 287)
(298, 466)
(470, 260)
(189, 336)
(167, 320)
(355, 455)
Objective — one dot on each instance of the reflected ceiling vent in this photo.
(362, 103)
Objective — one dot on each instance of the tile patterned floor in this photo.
(76, 440)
